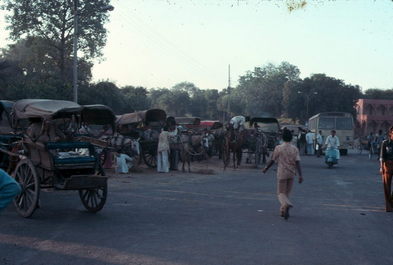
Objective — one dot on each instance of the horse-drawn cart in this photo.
(270, 127)
(48, 155)
(146, 126)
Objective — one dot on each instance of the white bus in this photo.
(341, 122)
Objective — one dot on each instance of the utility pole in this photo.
(75, 48)
(229, 91)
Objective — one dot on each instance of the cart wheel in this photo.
(149, 158)
(26, 175)
(94, 199)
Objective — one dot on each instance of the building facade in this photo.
(374, 115)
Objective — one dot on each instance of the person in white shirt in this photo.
(332, 142)
(310, 142)
(238, 122)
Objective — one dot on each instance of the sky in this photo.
(159, 43)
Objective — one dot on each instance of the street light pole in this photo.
(75, 51)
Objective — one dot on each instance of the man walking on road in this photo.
(386, 158)
(9, 188)
(287, 157)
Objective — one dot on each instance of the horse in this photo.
(233, 142)
(191, 145)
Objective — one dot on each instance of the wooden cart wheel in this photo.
(94, 199)
(26, 175)
(150, 157)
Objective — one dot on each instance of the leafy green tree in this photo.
(52, 21)
(106, 93)
(321, 93)
(375, 93)
(36, 57)
(262, 89)
(137, 97)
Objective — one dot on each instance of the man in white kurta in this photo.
(332, 142)
(163, 152)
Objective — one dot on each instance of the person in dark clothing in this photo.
(386, 169)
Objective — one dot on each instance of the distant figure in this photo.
(386, 169)
(163, 152)
(301, 142)
(9, 189)
(310, 142)
(287, 157)
(319, 143)
(379, 138)
(174, 154)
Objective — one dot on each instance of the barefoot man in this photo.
(287, 157)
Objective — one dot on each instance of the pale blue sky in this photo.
(158, 43)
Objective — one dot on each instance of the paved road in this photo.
(227, 218)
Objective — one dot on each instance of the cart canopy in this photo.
(268, 124)
(44, 109)
(188, 120)
(98, 115)
(212, 125)
(146, 116)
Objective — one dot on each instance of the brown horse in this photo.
(233, 143)
(191, 146)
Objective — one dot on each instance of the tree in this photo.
(375, 93)
(36, 57)
(321, 93)
(52, 22)
(136, 97)
(262, 89)
(106, 93)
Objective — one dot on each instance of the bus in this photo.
(341, 122)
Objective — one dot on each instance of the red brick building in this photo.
(374, 115)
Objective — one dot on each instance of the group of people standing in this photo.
(309, 142)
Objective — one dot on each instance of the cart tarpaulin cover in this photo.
(146, 116)
(44, 108)
(98, 115)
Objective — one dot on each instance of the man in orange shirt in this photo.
(287, 157)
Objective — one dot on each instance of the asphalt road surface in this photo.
(229, 217)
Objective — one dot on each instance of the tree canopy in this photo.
(51, 22)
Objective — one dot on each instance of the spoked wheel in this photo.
(26, 175)
(149, 155)
(94, 199)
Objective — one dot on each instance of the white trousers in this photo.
(163, 162)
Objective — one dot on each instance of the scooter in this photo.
(331, 157)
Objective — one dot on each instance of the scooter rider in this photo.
(332, 142)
